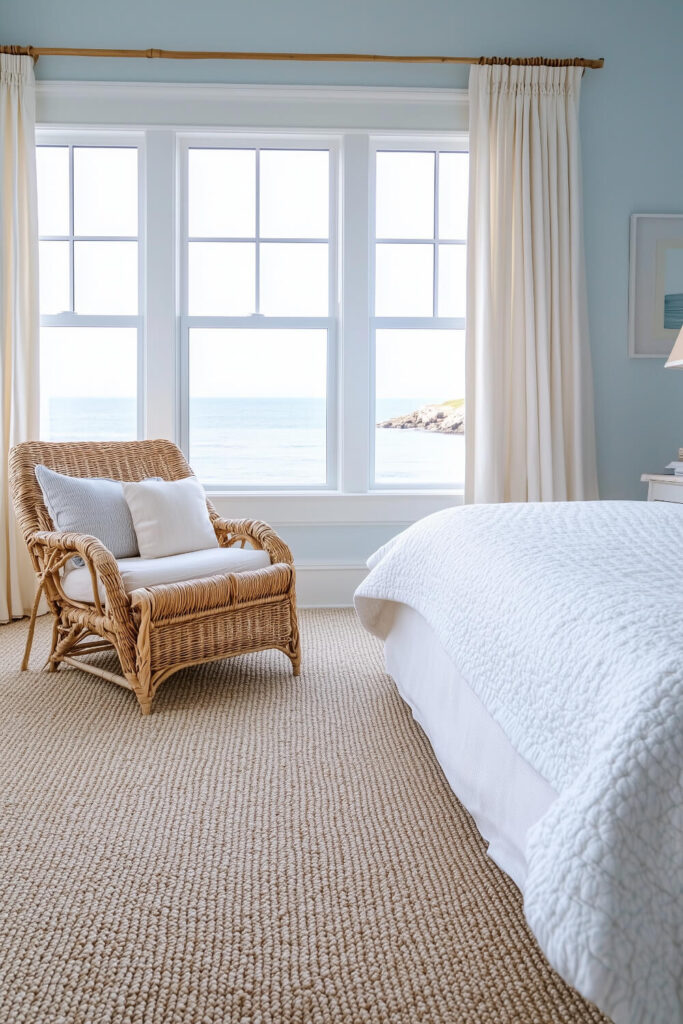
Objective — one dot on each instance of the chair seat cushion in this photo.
(150, 572)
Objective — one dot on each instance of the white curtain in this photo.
(530, 432)
(19, 314)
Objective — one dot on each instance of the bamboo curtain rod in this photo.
(378, 58)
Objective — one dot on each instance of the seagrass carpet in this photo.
(260, 850)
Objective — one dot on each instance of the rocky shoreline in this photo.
(445, 418)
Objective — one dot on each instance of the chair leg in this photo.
(142, 690)
(145, 703)
(294, 646)
(142, 685)
(32, 625)
(50, 665)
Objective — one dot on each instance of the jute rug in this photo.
(260, 850)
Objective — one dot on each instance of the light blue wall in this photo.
(631, 127)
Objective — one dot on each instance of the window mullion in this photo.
(158, 217)
(356, 378)
(72, 290)
(435, 265)
(257, 242)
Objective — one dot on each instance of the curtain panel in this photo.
(530, 432)
(19, 311)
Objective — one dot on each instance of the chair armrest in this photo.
(260, 535)
(53, 549)
(82, 544)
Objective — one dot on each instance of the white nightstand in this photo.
(663, 488)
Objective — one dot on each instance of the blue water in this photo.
(246, 442)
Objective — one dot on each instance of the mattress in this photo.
(500, 789)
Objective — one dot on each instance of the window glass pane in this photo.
(294, 279)
(453, 190)
(257, 406)
(404, 280)
(88, 383)
(294, 190)
(54, 277)
(420, 391)
(405, 195)
(52, 164)
(221, 278)
(105, 191)
(222, 193)
(452, 280)
(106, 278)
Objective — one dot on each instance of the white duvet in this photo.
(566, 619)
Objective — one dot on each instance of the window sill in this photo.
(332, 508)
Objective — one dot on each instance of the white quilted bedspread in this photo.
(567, 621)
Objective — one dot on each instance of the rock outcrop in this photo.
(446, 418)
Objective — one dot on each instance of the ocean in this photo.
(246, 442)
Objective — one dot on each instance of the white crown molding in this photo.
(221, 91)
(217, 105)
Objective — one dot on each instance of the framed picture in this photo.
(655, 301)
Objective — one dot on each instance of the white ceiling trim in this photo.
(219, 104)
(218, 91)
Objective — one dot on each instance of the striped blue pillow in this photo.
(92, 505)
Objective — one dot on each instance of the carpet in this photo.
(260, 850)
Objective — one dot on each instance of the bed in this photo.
(540, 648)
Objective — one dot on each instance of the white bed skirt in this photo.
(499, 788)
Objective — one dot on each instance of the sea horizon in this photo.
(245, 442)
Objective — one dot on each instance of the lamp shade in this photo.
(676, 357)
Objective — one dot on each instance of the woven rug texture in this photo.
(259, 850)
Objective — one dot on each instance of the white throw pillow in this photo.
(170, 516)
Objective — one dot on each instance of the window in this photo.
(419, 316)
(90, 298)
(259, 323)
(289, 308)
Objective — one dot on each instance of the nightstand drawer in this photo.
(661, 487)
(665, 492)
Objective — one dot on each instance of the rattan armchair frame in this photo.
(157, 630)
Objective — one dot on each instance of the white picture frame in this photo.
(655, 306)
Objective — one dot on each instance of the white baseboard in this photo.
(327, 586)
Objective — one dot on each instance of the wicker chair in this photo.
(157, 630)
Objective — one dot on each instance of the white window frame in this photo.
(355, 114)
(259, 142)
(407, 144)
(109, 139)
